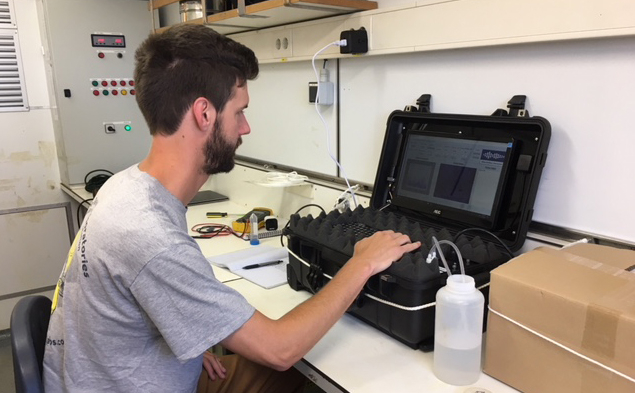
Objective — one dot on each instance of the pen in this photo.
(216, 214)
(257, 265)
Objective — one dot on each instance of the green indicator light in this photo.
(95, 83)
(127, 128)
(106, 92)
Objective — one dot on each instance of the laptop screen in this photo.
(451, 176)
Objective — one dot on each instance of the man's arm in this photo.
(280, 343)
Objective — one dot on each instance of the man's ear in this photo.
(204, 113)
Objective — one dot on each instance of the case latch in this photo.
(315, 277)
(387, 284)
(516, 108)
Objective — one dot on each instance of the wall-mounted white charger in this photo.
(326, 90)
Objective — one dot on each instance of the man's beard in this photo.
(219, 152)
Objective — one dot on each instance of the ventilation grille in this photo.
(12, 92)
(6, 15)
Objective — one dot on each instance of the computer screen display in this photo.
(440, 172)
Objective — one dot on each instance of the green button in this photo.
(95, 83)
(106, 92)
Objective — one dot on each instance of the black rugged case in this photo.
(399, 301)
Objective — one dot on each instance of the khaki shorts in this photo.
(246, 376)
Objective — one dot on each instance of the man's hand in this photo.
(281, 343)
(383, 248)
(213, 366)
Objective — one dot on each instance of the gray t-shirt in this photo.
(137, 303)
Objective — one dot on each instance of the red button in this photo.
(95, 92)
(104, 83)
(101, 55)
(114, 83)
(131, 83)
(122, 83)
(132, 92)
(115, 92)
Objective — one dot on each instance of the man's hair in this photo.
(183, 63)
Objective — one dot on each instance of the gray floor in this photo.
(6, 364)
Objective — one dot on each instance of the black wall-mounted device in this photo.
(356, 41)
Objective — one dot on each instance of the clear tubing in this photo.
(438, 243)
(458, 253)
(445, 263)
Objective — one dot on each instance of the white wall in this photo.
(395, 3)
(574, 64)
(281, 101)
(29, 174)
(584, 88)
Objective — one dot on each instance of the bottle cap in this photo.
(461, 283)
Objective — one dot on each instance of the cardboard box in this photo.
(564, 321)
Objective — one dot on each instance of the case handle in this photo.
(423, 104)
(516, 108)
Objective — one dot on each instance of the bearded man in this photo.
(137, 305)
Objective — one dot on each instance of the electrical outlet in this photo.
(282, 46)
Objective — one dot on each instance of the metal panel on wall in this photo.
(92, 46)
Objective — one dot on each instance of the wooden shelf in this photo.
(274, 13)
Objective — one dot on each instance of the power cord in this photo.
(298, 211)
(210, 230)
(79, 221)
(326, 127)
(507, 249)
(281, 178)
(93, 184)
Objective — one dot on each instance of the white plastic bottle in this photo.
(458, 331)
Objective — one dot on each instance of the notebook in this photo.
(267, 276)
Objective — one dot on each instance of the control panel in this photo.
(92, 53)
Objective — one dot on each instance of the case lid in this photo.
(463, 171)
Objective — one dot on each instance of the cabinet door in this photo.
(33, 249)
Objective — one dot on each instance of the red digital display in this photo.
(108, 40)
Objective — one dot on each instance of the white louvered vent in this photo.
(12, 90)
(6, 15)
